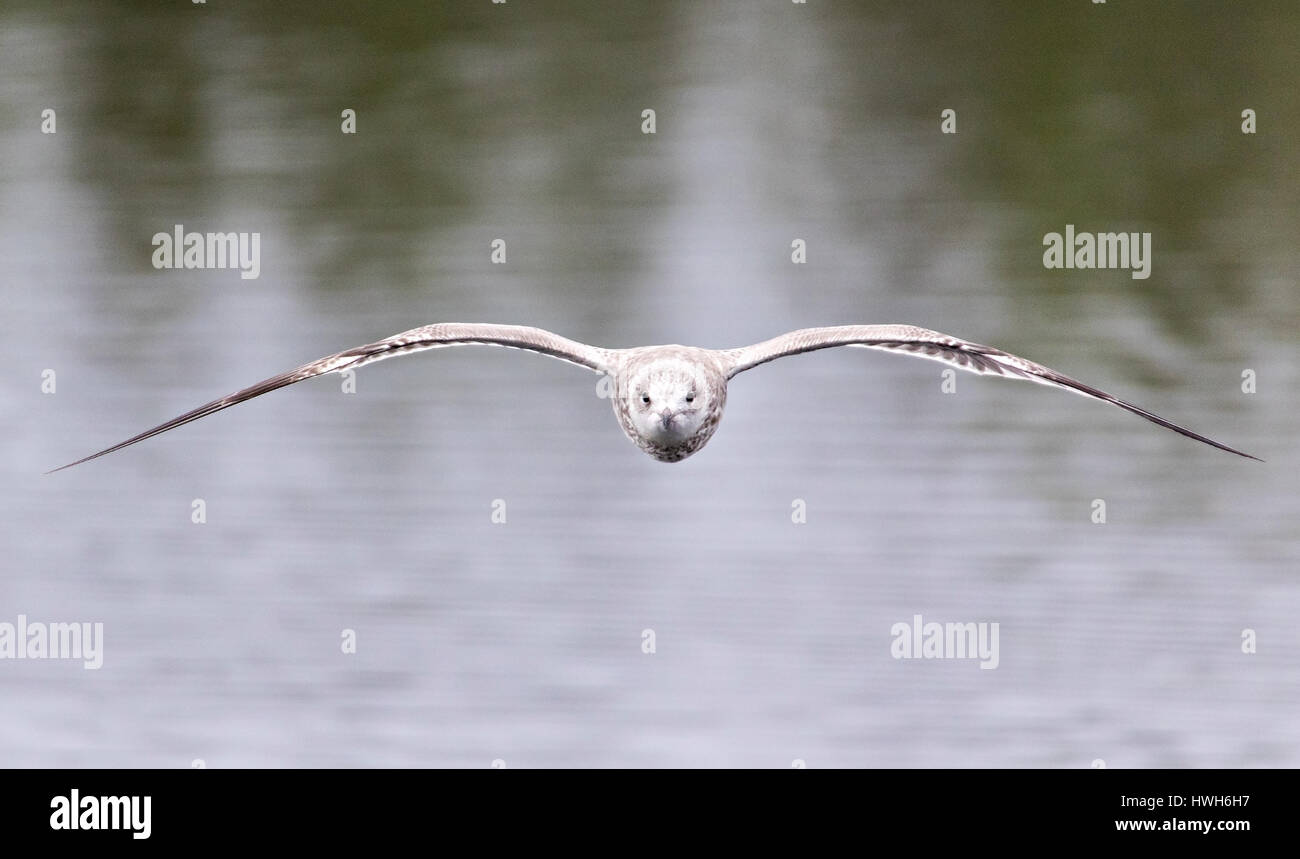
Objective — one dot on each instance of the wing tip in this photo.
(71, 464)
(1220, 445)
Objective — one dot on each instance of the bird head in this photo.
(669, 401)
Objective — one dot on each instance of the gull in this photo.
(669, 399)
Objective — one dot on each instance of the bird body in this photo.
(670, 399)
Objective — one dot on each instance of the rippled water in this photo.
(523, 641)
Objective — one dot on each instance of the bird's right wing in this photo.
(416, 340)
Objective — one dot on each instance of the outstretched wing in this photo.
(922, 343)
(415, 340)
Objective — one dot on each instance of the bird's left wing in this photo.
(923, 343)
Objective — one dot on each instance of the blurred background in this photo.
(522, 642)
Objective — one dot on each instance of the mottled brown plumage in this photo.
(669, 399)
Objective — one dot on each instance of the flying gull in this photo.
(669, 399)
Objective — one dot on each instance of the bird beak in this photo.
(666, 416)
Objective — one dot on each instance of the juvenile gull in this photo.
(669, 399)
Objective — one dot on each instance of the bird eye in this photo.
(690, 397)
(645, 398)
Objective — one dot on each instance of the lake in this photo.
(464, 561)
